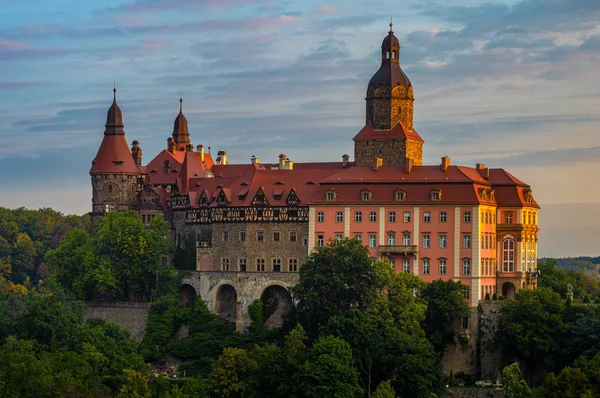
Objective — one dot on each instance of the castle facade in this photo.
(254, 224)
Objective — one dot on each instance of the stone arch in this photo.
(187, 295)
(225, 299)
(382, 91)
(508, 290)
(399, 92)
(277, 301)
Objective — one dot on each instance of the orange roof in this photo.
(398, 132)
(114, 156)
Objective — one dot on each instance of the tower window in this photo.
(387, 55)
(393, 54)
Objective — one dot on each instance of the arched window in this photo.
(508, 255)
(387, 55)
(393, 54)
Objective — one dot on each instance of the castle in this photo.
(254, 224)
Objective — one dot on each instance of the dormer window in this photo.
(528, 196)
(400, 195)
(167, 166)
(365, 195)
(484, 195)
(330, 195)
(492, 196)
(435, 195)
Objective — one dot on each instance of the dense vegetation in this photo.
(357, 329)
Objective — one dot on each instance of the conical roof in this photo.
(114, 118)
(181, 134)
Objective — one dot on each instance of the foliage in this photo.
(384, 390)
(445, 305)
(328, 372)
(231, 374)
(557, 279)
(581, 379)
(532, 327)
(513, 385)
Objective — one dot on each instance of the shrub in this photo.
(487, 296)
(494, 296)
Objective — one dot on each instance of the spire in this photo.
(114, 118)
(181, 135)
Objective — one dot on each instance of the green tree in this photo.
(231, 375)
(23, 257)
(532, 327)
(384, 390)
(328, 372)
(513, 386)
(336, 278)
(446, 305)
(133, 385)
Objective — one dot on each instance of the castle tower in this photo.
(181, 135)
(389, 133)
(114, 172)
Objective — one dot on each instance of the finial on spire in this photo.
(115, 91)
(180, 102)
(391, 25)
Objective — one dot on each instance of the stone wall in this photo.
(393, 152)
(131, 316)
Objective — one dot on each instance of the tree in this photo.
(384, 390)
(445, 305)
(328, 372)
(513, 386)
(23, 256)
(532, 327)
(231, 375)
(336, 278)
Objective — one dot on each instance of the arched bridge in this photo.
(229, 294)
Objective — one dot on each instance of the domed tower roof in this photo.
(389, 73)
(181, 135)
(114, 118)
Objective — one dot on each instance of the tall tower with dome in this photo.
(389, 133)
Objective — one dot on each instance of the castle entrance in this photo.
(226, 302)
(277, 302)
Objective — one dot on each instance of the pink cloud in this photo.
(9, 45)
(279, 20)
(327, 10)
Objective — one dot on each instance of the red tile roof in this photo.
(114, 157)
(398, 132)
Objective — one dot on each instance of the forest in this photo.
(357, 329)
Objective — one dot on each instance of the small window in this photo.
(373, 216)
(466, 266)
(392, 216)
(242, 236)
(435, 195)
(426, 266)
(293, 236)
(276, 265)
(330, 195)
(406, 265)
(260, 236)
(320, 216)
(442, 241)
(391, 239)
(260, 264)
(358, 216)
(358, 237)
(276, 236)
(406, 216)
(427, 216)
(372, 241)
(442, 267)
(339, 237)
(467, 241)
(109, 207)
(110, 188)
(293, 264)
(339, 216)
(400, 195)
(365, 195)
(508, 217)
(224, 264)
(467, 217)
(225, 236)
(443, 216)
(242, 264)
(426, 241)
(320, 240)
(406, 239)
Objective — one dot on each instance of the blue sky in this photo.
(513, 84)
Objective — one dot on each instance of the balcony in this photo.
(398, 249)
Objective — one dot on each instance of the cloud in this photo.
(554, 157)
(327, 10)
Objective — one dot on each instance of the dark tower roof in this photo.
(114, 118)
(389, 72)
(181, 135)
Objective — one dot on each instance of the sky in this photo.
(512, 84)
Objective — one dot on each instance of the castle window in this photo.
(508, 217)
(330, 195)
(466, 266)
(528, 196)
(242, 236)
(425, 266)
(406, 216)
(373, 216)
(260, 264)
(320, 216)
(365, 195)
(242, 265)
(467, 217)
(109, 188)
(435, 195)
(320, 240)
(406, 239)
(387, 55)
(392, 216)
(443, 216)
(339, 217)
(400, 195)
(442, 266)
(508, 255)
(393, 54)
(358, 216)
(276, 265)
(260, 236)
(109, 207)
(224, 264)
(391, 239)
(293, 264)
(276, 236)
(293, 236)
(225, 236)
(372, 241)
(406, 265)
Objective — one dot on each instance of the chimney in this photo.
(409, 164)
(200, 148)
(223, 157)
(483, 171)
(189, 148)
(170, 145)
(345, 158)
(282, 158)
(288, 165)
(445, 163)
(254, 159)
(136, 152)
(377, 163)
